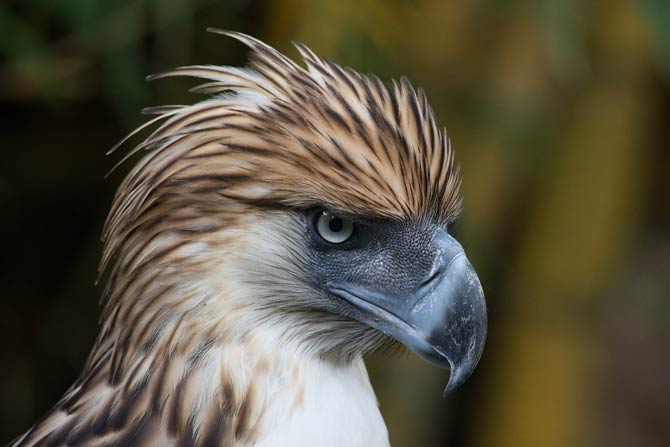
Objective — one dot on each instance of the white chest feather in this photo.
(337, 407)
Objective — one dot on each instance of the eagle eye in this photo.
(333, 228)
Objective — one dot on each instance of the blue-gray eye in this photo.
(334, 229)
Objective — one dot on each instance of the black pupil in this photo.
(335, 224)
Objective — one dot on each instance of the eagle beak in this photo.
(444, 322)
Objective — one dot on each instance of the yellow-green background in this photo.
(559, 113)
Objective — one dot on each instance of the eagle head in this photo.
(270, 237)
(310, 203)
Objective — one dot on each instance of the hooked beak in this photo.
(444, 322)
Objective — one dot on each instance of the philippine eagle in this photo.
(271, 236)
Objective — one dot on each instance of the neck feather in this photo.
(184, 359)
(247, 391)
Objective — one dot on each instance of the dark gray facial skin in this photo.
(413, 282)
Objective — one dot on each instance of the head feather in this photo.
(277, 133)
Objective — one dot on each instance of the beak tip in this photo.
(460, 372)
(456, 379)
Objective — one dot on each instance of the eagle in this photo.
(272, 236)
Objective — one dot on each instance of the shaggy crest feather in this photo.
(278, 133)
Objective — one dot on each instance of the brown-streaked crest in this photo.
(275, 132)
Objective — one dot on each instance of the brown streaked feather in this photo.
(310, 105)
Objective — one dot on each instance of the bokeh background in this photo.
(558, 111)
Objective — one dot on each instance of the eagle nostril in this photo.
(428, 282)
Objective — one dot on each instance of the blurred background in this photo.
(559, 113)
